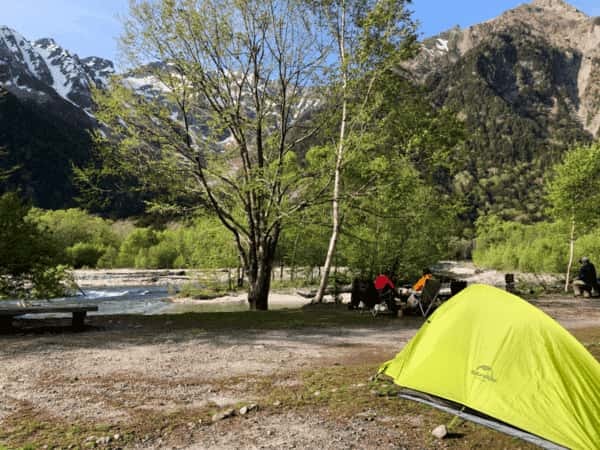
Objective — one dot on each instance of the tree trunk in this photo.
(258, 290)
(259, 273)
(571, 253)
(338, 163)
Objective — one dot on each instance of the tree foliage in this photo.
(370, 38)
(574, 190)
(28, 255)
(574, 186)
(245, 69)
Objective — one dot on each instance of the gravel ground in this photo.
(124, 367)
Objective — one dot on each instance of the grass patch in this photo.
(205, 290)
(317, 316)
(26, 429)
(590, 338)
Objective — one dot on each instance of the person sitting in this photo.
(383, 281)
(586, 282)
(420, 284)
(386, 290)
(416, 288)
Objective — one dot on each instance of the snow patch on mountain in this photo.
(62, 69)
(45, 67)
(147, 83)
(442, 44)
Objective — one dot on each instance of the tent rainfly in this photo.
(488, 355)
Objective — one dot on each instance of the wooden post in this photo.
(509, 280)
(6, 324)
(571, 253)
(79, 320)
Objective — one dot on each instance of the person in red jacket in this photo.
(382, 281)
(386, 290)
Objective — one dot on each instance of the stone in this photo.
(223, 415)
(440, 432)
(243, 410)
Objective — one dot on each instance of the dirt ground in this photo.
(140, 382)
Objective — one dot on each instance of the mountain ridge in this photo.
(563, 26)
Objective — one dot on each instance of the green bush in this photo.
(28, 265)
(52, 282)
(85, 254)
(109, 259)
(71, 226)
(162, 256)
(133, 250)
(540, 247)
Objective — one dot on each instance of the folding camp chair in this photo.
(429, 295)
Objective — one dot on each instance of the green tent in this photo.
(508, 363)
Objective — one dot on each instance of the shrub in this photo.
(505, 245)
(85, 254)
(109, 259)
(71, 226)
(162, 256)
(52, 282)
(133, 250)
(29, 254)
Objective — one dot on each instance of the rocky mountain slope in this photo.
(45, 112)
(527, 85)
(42, 70)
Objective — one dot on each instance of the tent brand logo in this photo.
(485, 373)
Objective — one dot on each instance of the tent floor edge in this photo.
(473, 416)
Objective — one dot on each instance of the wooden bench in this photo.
(8, 313)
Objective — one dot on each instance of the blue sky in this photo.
(91, 27)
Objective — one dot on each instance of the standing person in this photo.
(586, 282)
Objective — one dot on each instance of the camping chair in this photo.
(429, 296)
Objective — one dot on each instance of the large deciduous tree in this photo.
(241, 74)
(574, 193)
(371, 38)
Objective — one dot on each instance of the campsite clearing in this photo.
(157, 382)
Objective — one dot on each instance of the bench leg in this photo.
(6, 324)
(79, 320)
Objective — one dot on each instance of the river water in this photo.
(145, 300)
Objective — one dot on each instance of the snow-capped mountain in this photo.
(43, 69)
